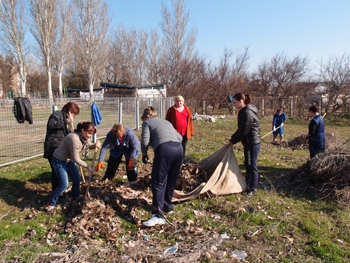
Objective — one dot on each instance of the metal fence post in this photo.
(137, 110)
(120, 112)
(161, 108)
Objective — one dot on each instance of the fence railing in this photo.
(20, 142)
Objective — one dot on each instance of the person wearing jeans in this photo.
(64, 169)
(59, 124)
(168, 155)
(248, 132)
(65, 158)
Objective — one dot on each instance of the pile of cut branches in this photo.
(327, 173)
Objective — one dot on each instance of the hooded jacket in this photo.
(248, 131)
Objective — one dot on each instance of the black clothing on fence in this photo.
(22, 109)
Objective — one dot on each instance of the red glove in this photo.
(129, 165)
(99, 166)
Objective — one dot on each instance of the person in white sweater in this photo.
(65, 158)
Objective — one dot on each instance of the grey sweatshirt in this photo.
(156, 131)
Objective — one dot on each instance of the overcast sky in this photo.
(316, 29)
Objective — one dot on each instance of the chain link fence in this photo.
(20, 142)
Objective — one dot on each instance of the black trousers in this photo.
(113, 164)
(166, 168)
(54, 180)
(184, 144)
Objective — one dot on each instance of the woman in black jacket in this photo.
(58, 126)
(248, 133)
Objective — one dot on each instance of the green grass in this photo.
(283, 225)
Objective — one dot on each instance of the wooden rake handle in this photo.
(90, 173)
(270, 132)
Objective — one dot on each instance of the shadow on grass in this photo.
(25, 194)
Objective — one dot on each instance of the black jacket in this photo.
(56, 130)
(248, 131)
(22, 109)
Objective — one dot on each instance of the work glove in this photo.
(282, 124)
(99, 166)
(145, 159)
(129, 164)
(274, 128)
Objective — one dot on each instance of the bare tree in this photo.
(12, 36)
(44, 29)
(61, 50)
(229, 77)
(90, 27)
(179, 43)
(121, 56)
(8, 79)
(277, 77)
(286, 73)
(334, 75)
(153, 58)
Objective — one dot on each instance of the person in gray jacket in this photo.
(168, 152)
(248, 133)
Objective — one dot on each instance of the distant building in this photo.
(144, 91)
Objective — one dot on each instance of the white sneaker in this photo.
(154, 220)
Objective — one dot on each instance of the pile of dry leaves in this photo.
(99, 218)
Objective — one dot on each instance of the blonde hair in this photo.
(180, 98)
(118, 129)
(149, 112)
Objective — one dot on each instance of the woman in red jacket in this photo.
(180, 116)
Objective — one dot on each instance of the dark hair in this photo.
(240, 96)
(86, 126)
(149, 112)
(313, 109)
(71, 107)
(279, 110)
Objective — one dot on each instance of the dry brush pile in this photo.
(328, 174)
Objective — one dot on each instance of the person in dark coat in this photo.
(316, 134)
(59, 124)
(248, 133)
(122, 141)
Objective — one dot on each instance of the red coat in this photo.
(171, 117)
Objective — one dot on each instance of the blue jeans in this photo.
(251, 165)
(63, 169)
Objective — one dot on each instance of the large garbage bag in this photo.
(224, 176)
